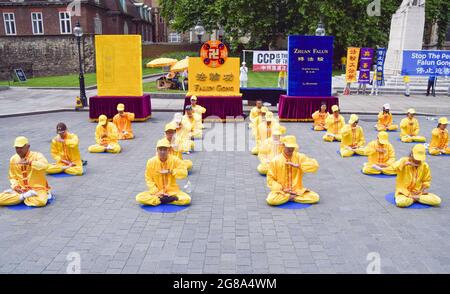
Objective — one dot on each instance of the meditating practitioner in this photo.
(285, 175)
(183, 133)
(256, 112)
(334, 124)
(106, 136)
(123, 120)
(160, 175)
(264, 130)
(27, 171)
(195, 121)
(385, 120)
(320, 117)
(381, 155)
(409, 128)
(439, 138)
(268, 150)
(353, 140)
(200, 110)
(64, 150)
(171, 136)
(414, 179)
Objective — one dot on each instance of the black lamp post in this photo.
(78, 32)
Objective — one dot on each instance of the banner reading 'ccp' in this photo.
(270, 60)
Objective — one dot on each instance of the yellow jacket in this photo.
(31, 176)
(411, 179)
(263, 131)
(66, 151)
(194, 122)
(409, 127)
(269, 149)
(110, 131)
(333, 125)
(123, 123)
(254, 114)
(199, 109)
(174, 150)
(164, 183)
(439, 138)
(384, 118)
(352, 137)
(281, 175)
(376, 157)
(320, 117)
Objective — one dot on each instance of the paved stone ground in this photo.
(228, 228)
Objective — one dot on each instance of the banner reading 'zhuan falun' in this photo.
(365, 65)
(310, 65)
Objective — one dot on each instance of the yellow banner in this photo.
(352, 64)
(119, 65)
(208, 81)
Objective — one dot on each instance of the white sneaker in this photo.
(49, 196)
(30, 193)
(8, 191)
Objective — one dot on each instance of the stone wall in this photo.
(155, 50)
(44, 55)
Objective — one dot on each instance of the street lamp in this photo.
(199, 30)
(320, 31)
(78, 32)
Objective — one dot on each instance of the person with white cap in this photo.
(183, 133)
(64, 149)
(268, 150)
(27, 176)
(334, 124)
(170, 132)
(285, 175)
(106, 137)
(414, 179)
(409, 129)
(439, 138)
(243, 77)
(200, 110)
(381, 156)
(353, 139)
(385, 119)
(123, 120)
(161, 175)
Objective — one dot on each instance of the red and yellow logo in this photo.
(214, 53)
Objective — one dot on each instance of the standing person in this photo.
(282, 79)
(243, 78)
(431, 85)
(374, 82)
(363, 88)
(343, 62)
(407, 80)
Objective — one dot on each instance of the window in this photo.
(37, 23)
(98, 24)
(65, 22)
(10, 23)
(174, 38)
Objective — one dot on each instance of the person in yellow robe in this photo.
(161, 174)
(64, 150)
(256, 112)
(183, 133)
(170, 131)
(200, 110)
(381, 156)
(195, 121)
(123, 120)
(268, 150)
(414, 179)
(27, 176)
(385, 121)
(285, 175)
(264, 130)
(320, 117)
(409, 128)
(439, 138)
(334, 124)
(106, 136)
(353, 139)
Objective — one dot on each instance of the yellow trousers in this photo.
(428, 199)
(279, 198)
(255, 150)
(59, 168)
(146, 198)
(100, 149)
(349, 152)
(410, 139)
(435, 151)
(369, 170)
(127, 136)
(328, 138)
(13, 198)
(389, 128)
(188, 164)
(263, 168)
(198, 134)
(319, 128)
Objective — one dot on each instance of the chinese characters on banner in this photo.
(365, 65)
(270, 61)
(426, 63)
(352, 64)
(381, 57)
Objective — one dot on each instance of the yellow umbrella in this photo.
(181, 65)
(161, 62)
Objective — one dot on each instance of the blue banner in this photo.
(381, 57)
(426, 63)
(310, 65)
